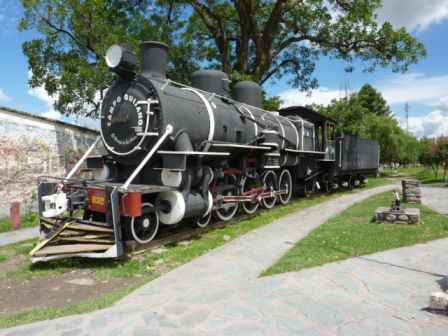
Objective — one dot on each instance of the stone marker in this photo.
(159, 250)
(411, 191)
(439, 301)
(408, 216)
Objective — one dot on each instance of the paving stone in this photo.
(194, 318)
(433, 329)
(26, 330)
(360, 329)
(146, 332)
(175, 309)
(157, 320)
(238, 311)
(242, 329)
(74, 332)
(390, 323)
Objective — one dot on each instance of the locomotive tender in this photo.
(180, 153)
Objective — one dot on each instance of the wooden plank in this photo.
(44, 242)
(85, 239)
(87, 227)
(75, 248)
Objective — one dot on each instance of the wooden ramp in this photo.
(73, 236)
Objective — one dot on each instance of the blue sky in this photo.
(424, 86)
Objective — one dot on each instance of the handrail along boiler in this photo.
(180, 153)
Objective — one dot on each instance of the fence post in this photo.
(14, 212)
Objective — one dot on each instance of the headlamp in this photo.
(120, 58)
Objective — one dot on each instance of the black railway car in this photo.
(180, 153)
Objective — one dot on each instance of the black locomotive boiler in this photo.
(177, 153)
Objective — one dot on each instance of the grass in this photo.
(352, 234)
(426, 176)
(29, 220)
(145, 265)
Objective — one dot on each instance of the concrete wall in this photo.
(31, 146)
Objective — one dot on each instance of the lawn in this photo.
(28, 220)
(145, 266)
(426, 176)
(352, 233)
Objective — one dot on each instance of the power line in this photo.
(406, 109)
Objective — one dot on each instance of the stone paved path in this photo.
(220, 293)
(436, 198)
(18, 235)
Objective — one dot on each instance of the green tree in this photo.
(372, 100)
(68, 57)
(265, 40)
(371, 118)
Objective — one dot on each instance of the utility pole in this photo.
(406, 109)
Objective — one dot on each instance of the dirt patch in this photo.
(55, 291)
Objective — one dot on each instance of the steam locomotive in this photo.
(178, 153)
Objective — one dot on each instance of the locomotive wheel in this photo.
(227, 213)
(270, 185)
(285, 182)
(248, 184)
(144, 228)
(204, 221)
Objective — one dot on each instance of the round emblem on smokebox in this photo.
(123, 120)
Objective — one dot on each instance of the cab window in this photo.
(330, 132)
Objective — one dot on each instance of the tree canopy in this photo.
(366, 114)
(259, 39)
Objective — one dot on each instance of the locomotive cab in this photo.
(324, 128)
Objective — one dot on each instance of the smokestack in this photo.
(154, 56)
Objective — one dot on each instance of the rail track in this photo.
(134, 248)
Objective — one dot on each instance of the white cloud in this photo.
(4, 96)
(322, 96)
(52, 114)
(10, 12)
(432, 125)
(413, 87)
(413, 14)
(87, 122)
(42, 94)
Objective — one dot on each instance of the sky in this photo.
(424, 87)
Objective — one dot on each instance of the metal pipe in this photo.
(76, 167)
(168, 131)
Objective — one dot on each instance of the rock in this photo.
(391, 218)
(439, 301)
(184, 243)
(403, 218)
(159, 250)
(159, 262)
(226, 237)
